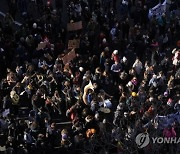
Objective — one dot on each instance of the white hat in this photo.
(81, 69)
(104, 40)
(151, 99)
(96, 115)
(124, 59)
(104, 121)
(34, 25)
(125, 113)
(115, 52)
(129, 84)
(1, 50)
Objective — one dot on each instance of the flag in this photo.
(73, 43)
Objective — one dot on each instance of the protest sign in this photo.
(158, 10)
(41, 45)
(69, 56)
(74, 26)
(73, 44)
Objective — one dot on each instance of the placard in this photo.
(73, 44)
(74, 26)
(41, 45)
(69, 56)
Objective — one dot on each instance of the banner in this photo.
(165, 121)
(73, 44)
(74, 26)
(69, 56)
(158, 10)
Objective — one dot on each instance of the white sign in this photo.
(158, 10)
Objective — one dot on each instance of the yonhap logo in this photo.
(142, 140)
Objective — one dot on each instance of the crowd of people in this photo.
(123, 79)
